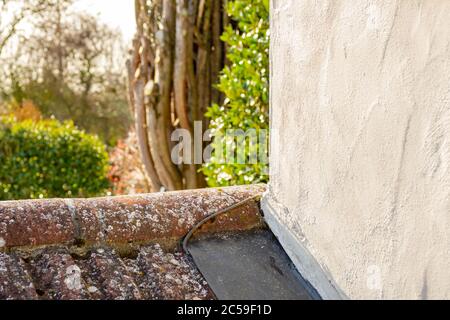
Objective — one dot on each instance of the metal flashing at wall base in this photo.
(304, 261)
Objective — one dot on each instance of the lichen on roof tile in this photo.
(56, 275)
(168, 276)
(114, 247)
(15, 281)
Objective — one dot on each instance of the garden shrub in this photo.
(245, 84)
(44, 159)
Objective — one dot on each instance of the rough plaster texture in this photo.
(360, 150)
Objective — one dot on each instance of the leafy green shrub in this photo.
(47, 158)
(245, 83)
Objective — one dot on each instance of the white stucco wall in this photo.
(360, 151)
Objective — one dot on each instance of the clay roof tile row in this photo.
(114, 247)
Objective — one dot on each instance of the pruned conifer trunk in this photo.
(175, 62)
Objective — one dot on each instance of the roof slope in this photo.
(115, 247)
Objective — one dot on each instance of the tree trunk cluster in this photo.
(175, 62)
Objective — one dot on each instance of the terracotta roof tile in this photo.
(15, 281)
(140, 218)
(168, 276)
(56, 275)
(35, 223)
(115, 247)
(106, 276)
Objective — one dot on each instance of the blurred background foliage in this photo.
(69, 65)
(245, 83)
(47, 158)
(66, 129)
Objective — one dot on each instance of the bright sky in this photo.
(116, 13)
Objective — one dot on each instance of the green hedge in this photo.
(48, 159)
(245, 83)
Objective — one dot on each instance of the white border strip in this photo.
(304, 261)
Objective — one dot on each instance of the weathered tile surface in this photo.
(112, 248)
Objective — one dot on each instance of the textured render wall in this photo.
(361, 162)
